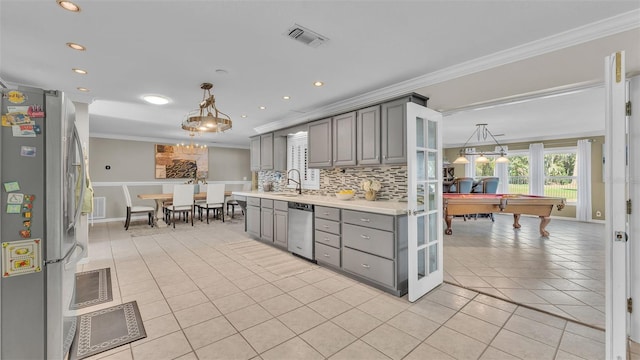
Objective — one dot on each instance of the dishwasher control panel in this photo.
(300, 206)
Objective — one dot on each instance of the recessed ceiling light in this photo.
(79, 71)
(75, 46)
(262, 107)
(83, 89)
(156, 99)
(286, 97)
(318, 83)
(244, 116)
(68, 5)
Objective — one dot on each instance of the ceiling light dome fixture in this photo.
(482, 133)
(207, 118)
(156, 99)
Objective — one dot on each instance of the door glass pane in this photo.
(431, 165)
(419, 132)
(433, 226)
(421, 168)
(433, 257)
(420, 196)
(432, 196)
(432, 135)
(422, 268)
(421, 230)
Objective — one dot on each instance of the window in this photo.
(297, 159)
(560, 178)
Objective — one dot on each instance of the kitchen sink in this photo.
(286, 194)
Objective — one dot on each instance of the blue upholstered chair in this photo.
(461, 185)
(487, 186)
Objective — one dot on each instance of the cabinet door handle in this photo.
(365, 266)
(365, 220)
(326, 255)
(365, 237)
(326, 239)
(325, 226)
(325, 213)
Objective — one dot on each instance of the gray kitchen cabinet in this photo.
(266, 151)
(344, 139)
(374, 248)
(327, 235)
(254, 148)
(319, 144)
(280, 153)
(252, 216)
(368, 136)
(280, 223)
(266, 220)
(394, 129)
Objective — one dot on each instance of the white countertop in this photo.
(387, 207)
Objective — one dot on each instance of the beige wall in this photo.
(597, 186)
(133, 163)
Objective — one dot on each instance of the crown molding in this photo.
(161, 140)
(600, 29)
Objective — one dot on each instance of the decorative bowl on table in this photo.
(345, 194)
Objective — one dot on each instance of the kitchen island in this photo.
(366, 240)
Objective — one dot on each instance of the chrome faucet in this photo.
(298, 182)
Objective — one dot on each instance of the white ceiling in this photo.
(456, 52)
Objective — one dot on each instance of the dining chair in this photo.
(461, 185)
(233, 202)
(138, 209)
(214, 201)
(487, 185)
(182, 202)
(166, 189)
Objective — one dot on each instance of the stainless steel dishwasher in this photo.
(300, 231)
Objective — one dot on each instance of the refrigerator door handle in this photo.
(66, 256)
(76, 139)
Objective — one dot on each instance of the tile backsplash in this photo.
(392, 178)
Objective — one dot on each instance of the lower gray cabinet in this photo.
(252, 217)
(372, 267)
(280, 223)
(266, 220)
(327, 235)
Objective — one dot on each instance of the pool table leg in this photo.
(447, 219)
(544, 220)
(516, 221)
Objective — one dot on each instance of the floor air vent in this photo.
(305, 36)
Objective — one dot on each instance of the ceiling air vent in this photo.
(305, 36)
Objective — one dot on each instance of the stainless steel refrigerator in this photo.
(41, 163)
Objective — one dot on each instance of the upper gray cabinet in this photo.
(254, 148)
(394, 132)
(319, 144)
(344, 139)
(368, 139)
(266, 151)
(394, 129)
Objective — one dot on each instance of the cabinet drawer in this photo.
(253, 201)
(328, 255)
(266, 203)
(377, 221)
(328, 226)
(369, 240)
(280, 205)
(323, 212)
(369, 266)
(327, 239)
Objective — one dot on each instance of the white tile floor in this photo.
(213, 293)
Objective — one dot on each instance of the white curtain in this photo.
(583, 160)
(536, 169)
(470, 168)
(501, 171)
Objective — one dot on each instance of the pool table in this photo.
(461, 204)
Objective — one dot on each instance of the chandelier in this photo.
(481, 133)
(207, 118)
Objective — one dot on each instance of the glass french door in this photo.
(424, 164)
(616, 195)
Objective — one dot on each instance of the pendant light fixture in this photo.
(481, 132)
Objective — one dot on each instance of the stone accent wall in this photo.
(392, 178)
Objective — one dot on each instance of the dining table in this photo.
(161, 198)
